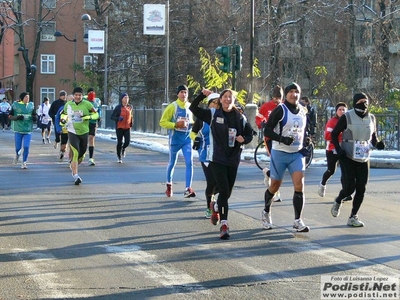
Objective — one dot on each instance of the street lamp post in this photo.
(87, 17)
(30, 70)
(57, 34)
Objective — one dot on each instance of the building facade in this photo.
(37, 61)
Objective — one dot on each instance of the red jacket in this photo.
(328, 130)
(264, 112)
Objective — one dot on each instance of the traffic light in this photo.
(238, 58)
(225, 59)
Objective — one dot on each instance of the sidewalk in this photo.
(159, 143)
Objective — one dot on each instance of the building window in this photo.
(48, 30)
(48, 64)
(48, 92)
(140, 59)
(89, 61)
(49, 3)
(89, 4)
(364, 35)
(365, 68)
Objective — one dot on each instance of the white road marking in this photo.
(40, 266)
(155, 269)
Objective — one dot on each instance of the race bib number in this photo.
(77, 116)
(361, 150)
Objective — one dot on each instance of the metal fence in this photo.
(387, 129)
(147, 120)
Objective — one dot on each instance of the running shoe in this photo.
(224, 231)
(77, 179)
(214, 213)
(300, 226)
(321, 190)
(208, 213)
(348, 198)
(267, 180)
(355, 222)
(91, 162)
(23, 165)
(61, 155)
(189, 193)
(266, 220)
(15, 160)
(169, 191)
(335, 210)
(277, 197)
(119, 161)
(123, 152)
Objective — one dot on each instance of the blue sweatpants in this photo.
(173, 158)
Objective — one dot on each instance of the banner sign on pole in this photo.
(154, 19)
(96, 41)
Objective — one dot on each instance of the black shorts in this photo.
(92, 128)
(64, 138)
(45, 126)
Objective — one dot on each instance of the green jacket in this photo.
(28, 111)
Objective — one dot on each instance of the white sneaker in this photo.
(321, 190)
(355, 222)
(15, 160)
(77, 179)
(335, 210)
(23, 165)
(300, 226)
(266, 177)
(266, 220)
(277, 197)
(91, 162)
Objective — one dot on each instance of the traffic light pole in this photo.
(234, 59)
(230, 58)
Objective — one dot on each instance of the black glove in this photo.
(196, 143)
(307, 141)
(287, 140)
(304, 151)
(380, 145)
(340, 153)
(20, 117)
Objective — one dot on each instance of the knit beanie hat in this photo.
(339, 105)
(292, 86)
(22, 95)
(359, 96)
(78, 89)
(122, 96)
(63, 93)
(182, 88)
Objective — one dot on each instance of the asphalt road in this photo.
(117, 236)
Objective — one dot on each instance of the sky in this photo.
(156, 142)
